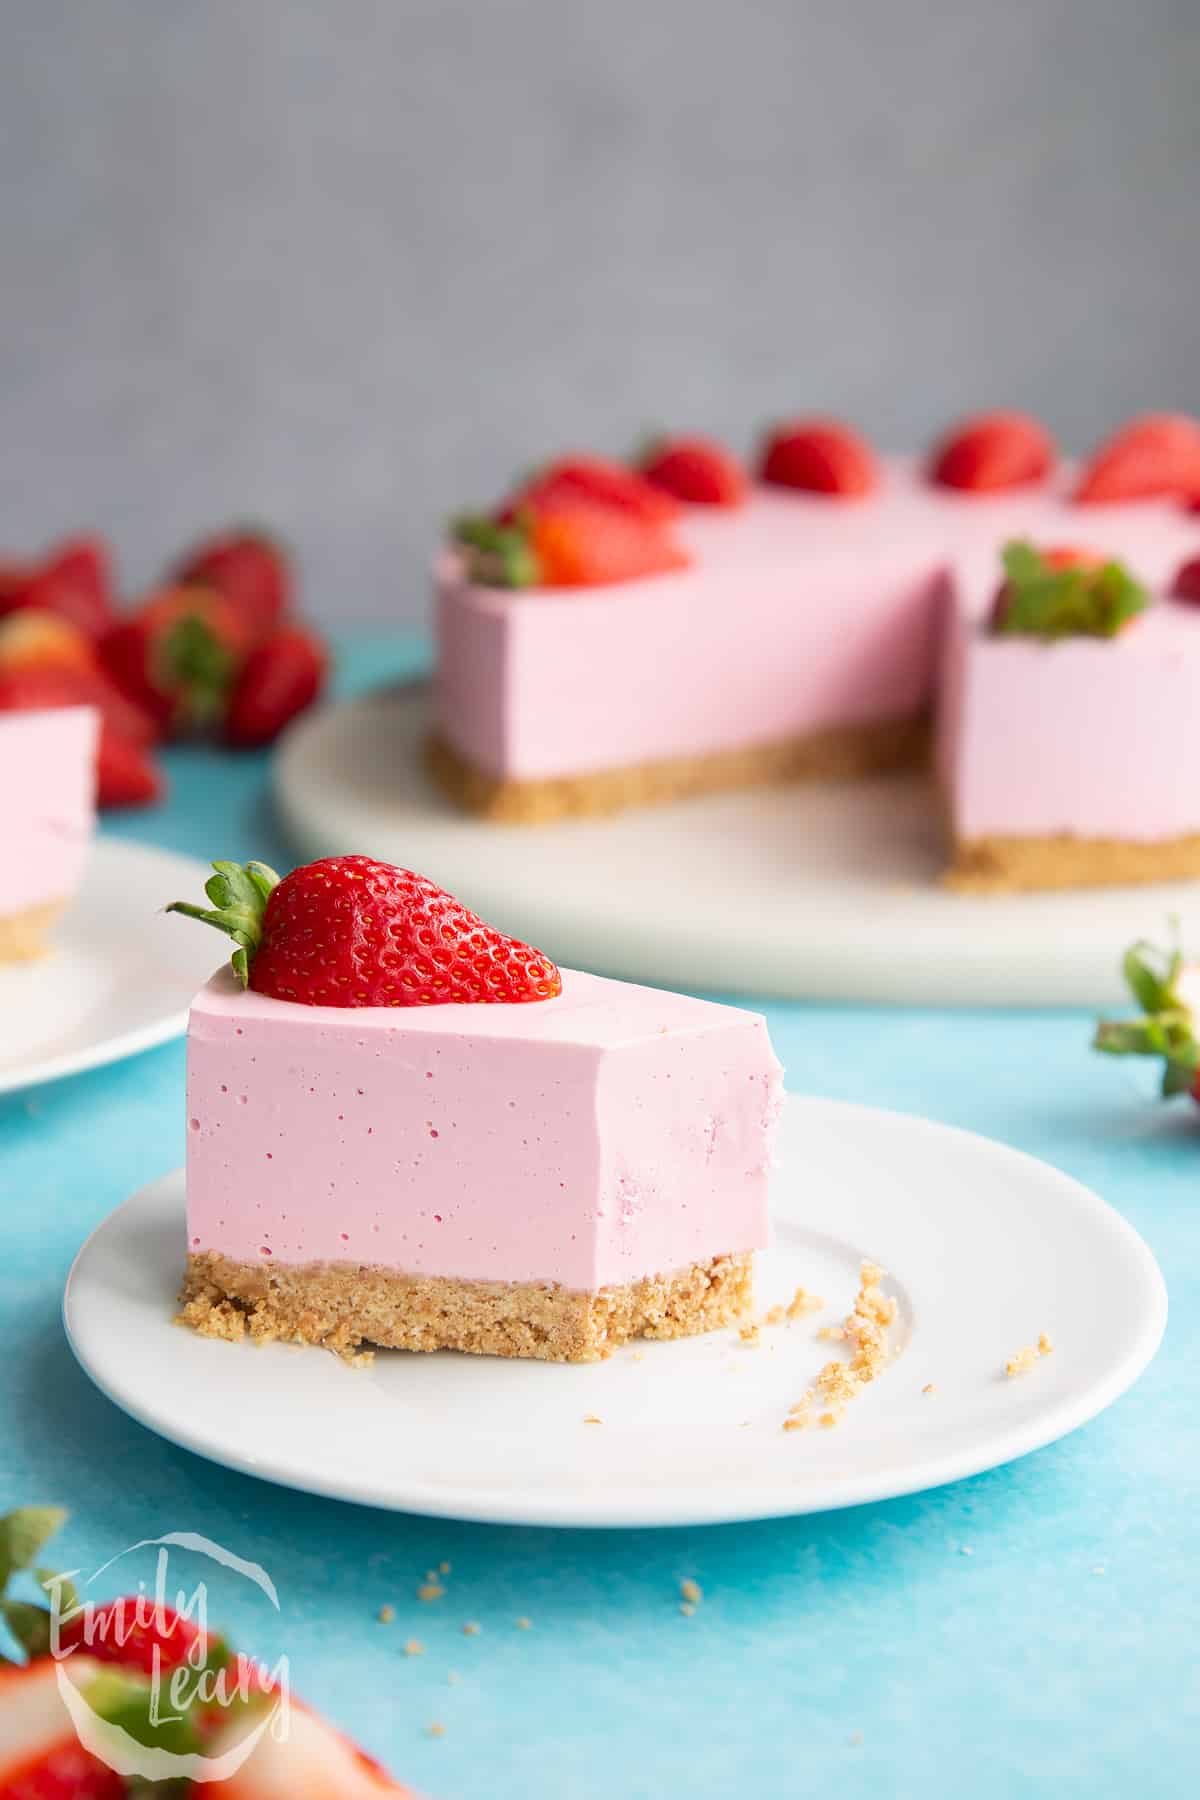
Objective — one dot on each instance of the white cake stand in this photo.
(821, 891)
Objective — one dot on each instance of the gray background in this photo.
(345, 266)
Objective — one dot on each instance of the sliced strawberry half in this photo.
(594, 480)
(697, 470)
(821, 456)
(40, 1756)
(1156, 456)
(313, 1762)
(992, 452)
(568, 544)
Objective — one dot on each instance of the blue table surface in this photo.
(858, 1653)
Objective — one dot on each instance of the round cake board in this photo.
(807, 890)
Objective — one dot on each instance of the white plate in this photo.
(119, 976)
(824, 891)
(985, 1248)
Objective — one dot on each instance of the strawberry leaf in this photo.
(239, 894)
(1148, 987)
(1040, 600)
(22, 1535)
(29, 1624)
(496, 555)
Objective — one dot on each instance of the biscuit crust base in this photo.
(345, 1305)
(1013, 865)
(23, 934)
(837, 753)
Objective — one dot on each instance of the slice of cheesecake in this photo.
(47, 815)
(547, 1168)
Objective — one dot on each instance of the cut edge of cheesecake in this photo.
(344, 1306)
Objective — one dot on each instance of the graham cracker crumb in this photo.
(856, 1738)
(1045, 1345)
(523, 1624)
(472, 1628)
(592, 1419)
(929, 1388)
(775, 1315)
(691, 1591)
(453, 1677)
(686, 1608)
(865, 1329)
(386, 1614)
(748, 1334)
(1022, 1362)
(803, 1302)
(1099, 1569)
(414, 1647)
(431, 1574)
(437, 1729)
(443, 1568)
(430, 1590)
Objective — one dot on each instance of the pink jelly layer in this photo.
(47, 803)
(610, 1133)
(799, 612)
(1092, 736)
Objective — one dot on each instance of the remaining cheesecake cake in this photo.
(47, 815)
(410, 1131)
(1064, 730)
(732, 631)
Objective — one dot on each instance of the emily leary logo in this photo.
(150, 1691)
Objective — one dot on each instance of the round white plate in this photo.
(119, 976)
(978, 1240)
(822, 891)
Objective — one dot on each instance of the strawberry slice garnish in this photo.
(821, 456)
(280, 678)
(992, 452)
(1154, 457)
(589, 480)
(697, 470)
(1167, 989)
(1064, 592)
(567, 545)
(250, 569)
(350, 931)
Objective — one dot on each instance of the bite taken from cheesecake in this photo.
(409, 1130)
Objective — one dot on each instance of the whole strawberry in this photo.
(567, 544)
(1167, 988)
(350, 931)
(178, 656)
(281, 677)
(250, 569)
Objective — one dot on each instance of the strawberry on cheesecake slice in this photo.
(406, 1129)
(47, 815)
(1065, 724)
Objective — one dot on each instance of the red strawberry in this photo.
(1168, 991)
(349, 931)
(128, 1631)
(992, 452)
(280, 677)
(126, 775)
(570, 544)
(29, 689)
(1154, 457)
(1186, 584)
(74, 581)
(697, 470)
(177, 656)
(33, 639)
(821, 456)
(250, 569)
(591, 479)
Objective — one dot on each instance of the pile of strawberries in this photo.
(585, 521)
(215, 649)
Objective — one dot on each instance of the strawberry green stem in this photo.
(497, 555)
(1166, 1029)
(239, 894)
(1042, 601)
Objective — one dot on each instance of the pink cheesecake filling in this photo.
(609, 1133)
(47, 804)
(1090, 736)
(799, 613)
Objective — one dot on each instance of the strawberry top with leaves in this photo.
(1062, 593)
(350, 931)
(1167, 988)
